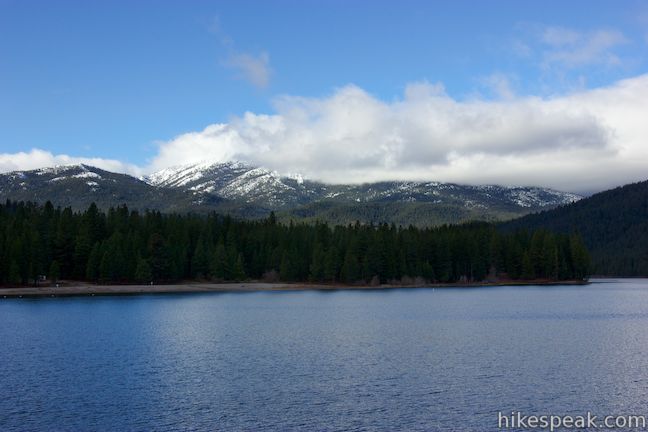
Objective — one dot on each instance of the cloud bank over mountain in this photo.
(584, 141)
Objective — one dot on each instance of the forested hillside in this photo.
(419, 214)
(123, 246)
(613, 225)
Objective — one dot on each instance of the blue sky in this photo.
(118, 80)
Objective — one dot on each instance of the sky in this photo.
(549, 93)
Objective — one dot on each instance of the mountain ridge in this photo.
(229, 175)
(247, 191)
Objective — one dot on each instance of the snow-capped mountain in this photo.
(248, 191)
(239, 181)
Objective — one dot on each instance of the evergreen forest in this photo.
(41, 242)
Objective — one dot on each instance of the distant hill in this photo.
(613, 224)
(250, 192)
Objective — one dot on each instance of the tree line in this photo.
(122, 246)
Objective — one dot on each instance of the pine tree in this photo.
(107, 266)
(54, 272)
(373, 263)
(350, 272)
(331, 265)
(514, 258)
(580, 257)
(14, 274)
(444, 261)
(550, 257)
(65, 243)
(82, 250)
(143, 273)
(239, 269)
(528, 270)
(94, 260)
(159, 258)
(219, 263)
(317, 264)
(288, 271)
(200, 261)
(537, 254)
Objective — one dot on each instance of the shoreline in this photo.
(86, 290)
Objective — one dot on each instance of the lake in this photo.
(403, 359)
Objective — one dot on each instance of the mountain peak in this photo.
(231, 180)
(186, 174)
(57, 169)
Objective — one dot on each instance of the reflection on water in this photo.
(411, 359)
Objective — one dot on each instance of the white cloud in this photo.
(570, 48)
(585, 141)
(37, 158)
(254, 69)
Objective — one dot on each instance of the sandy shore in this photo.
(92, 290)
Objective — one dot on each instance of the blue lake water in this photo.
(410, 359)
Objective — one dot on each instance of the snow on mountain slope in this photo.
(191, 175)
(62, 173)
(236, 180)
(239, 181)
